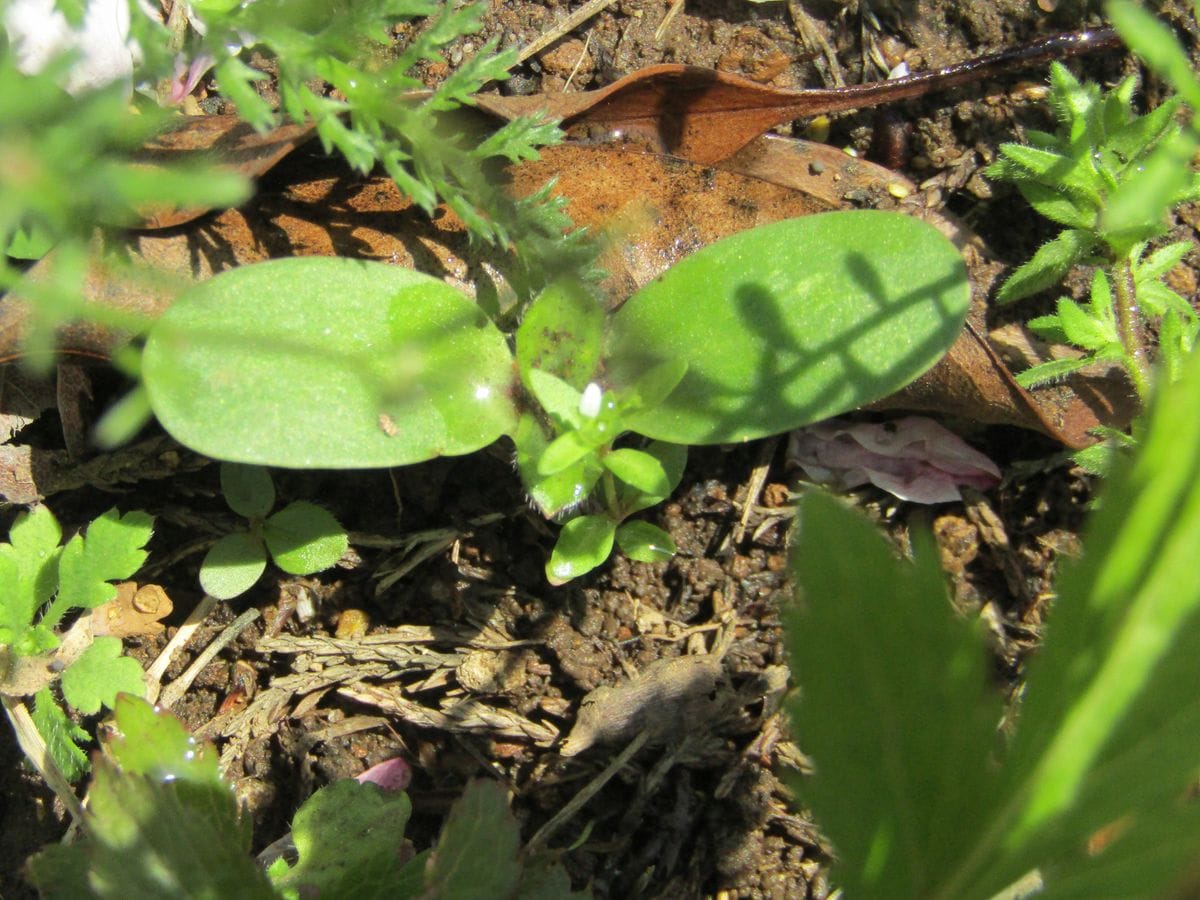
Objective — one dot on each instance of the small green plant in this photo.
(1109, 177)
(41, 581)
(751, 336)
(162, 822)
(1094, 796)
(302, 538)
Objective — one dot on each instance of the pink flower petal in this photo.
(392, 774)
(913, 458)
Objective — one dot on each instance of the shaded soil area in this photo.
(437, 637)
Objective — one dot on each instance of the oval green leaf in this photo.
(304, 538)
(232, 565)
(248, 490)
(584, 543)
(640, 470)
(324, 362)
(561, 334)
(644, 542)
(791, 323)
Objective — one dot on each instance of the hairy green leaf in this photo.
(232, 565)
(248, 490)
(304, 538)
(1049, 265)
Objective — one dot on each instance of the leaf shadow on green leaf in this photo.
(805, 378)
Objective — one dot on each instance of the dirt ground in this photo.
(446, 568)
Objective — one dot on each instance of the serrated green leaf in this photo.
(17, 607)
(152, 741)
(584, 543)
(149, 838)
(1048, 267)
(645, 542)
(248, 490)
(28, 570)
(304, 538)
(894, 706)
(476, 854)
(398, 367)
(99, 674)
(232, 565)
(348, 836)
(789, 323)
(112, 550)
(639, 470)
(64, 739)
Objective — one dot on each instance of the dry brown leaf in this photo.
(133, 612)
(706, 116)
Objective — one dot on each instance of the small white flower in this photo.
(589, 403)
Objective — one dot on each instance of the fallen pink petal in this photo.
(913, 458)
(392, 774)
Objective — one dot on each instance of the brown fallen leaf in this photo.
(698, 114)
(706, 116)
(135, 611)
(225, 139)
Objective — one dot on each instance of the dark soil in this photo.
(707, 811)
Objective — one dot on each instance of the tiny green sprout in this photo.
(301, 538)
(1108, 176)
